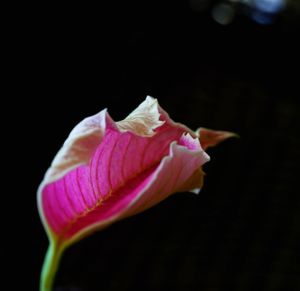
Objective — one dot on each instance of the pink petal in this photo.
(127, 167)
(174, 173)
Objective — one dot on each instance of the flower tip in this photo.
(144, 119)
(151, 105)
(195, 191)
(233, 134)
(229, 134)
(210, 137)
(150, 98)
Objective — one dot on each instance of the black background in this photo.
(242, 232)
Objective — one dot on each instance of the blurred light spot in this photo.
(269, 6)
(223, 13)
(262, 18)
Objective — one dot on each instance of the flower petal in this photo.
(141, 192)
(79, 146)
(179, 171)
(143, 120)
(118, 169)
(210, 138)
(109, 170)
(147, 117)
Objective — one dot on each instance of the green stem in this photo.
(50, 265)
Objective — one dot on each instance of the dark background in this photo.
(242, 232)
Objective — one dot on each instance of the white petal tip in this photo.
(195, 191)
(144, 119)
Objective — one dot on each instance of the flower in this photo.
(108, 170)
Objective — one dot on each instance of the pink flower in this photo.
(109, 170)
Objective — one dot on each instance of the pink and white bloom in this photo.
(108, 170)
